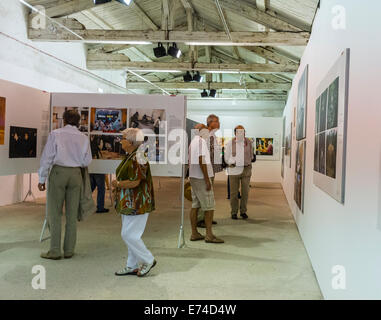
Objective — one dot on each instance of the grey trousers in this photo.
(242, 179)
(64, 186)
(201, 213)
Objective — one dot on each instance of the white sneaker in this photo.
(127, 271)
(145, 268)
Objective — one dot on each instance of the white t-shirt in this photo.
(197, 148)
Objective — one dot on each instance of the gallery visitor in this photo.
(213, 123)
(200, 174)
(66, 152)
(98, 181)
(134, 200)
(238, 157)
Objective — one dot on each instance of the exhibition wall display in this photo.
(302, 106)
(24, 127)
(330, 129)
(2, 119)
(105, 116)
(300, 166)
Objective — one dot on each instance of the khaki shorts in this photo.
(200, 197)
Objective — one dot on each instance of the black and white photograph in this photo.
(323, 111)
(322, 153)
(331, 153)
(22, 142)
(302, 105)
(316, 153)
(333, 103)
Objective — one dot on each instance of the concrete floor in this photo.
(263, 257)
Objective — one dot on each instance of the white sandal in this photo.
(127, 271)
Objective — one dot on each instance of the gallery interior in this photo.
(299, 76)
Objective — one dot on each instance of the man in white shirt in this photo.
(66, 151)
(238, 156)
(200, 174)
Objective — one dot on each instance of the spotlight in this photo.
(101, 1)
(204, 94)
(159, 51)
(212, 93)
(187, 77)
(197, 77)
(174, 51)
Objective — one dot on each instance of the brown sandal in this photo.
(197, 238)
(214, 240)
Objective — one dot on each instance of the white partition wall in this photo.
(343, 240)
(26, 109)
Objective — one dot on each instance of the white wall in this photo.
(253, 116)
(349, 234)
(25, 65)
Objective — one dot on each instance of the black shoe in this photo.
(104, 210)
(244, 216)
(201, 224)
(234, 216)
(214, 222)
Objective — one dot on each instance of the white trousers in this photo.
(132, 231)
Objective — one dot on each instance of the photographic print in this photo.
(151, 121)
(317, 115)
(288, 146)
(299, 174)
(333, 101)
(282, 166)
(331, 133)
(2, 120)
(331, 153)
(322, 153)
(323, 111)
(57, 117)
(22, 142)
(154, 148)
(106, 147)
(108, 120)
(264, 146)
(302, 105)
(316, 154)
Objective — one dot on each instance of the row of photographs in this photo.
(114, 120)
(23, 144)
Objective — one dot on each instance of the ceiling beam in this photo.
(268, 54)
(142, 14)
(57, 34)
(214, 85)
(120, 61)
(251, 12)
(69, 7)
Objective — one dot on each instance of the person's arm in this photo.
(204, 170)
(229, 159)
(46, 161)
(88, 155)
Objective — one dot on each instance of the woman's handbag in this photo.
(188, 191)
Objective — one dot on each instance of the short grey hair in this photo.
(134, 135)
(210, 119)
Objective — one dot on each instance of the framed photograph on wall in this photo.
(267, 147)
(2, 120)
(300, 165)
(301, 112)
(330, 129)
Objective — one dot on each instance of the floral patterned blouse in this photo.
(141, 199)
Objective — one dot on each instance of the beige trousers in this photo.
(64, 186)
(200, 212)
(236, 181)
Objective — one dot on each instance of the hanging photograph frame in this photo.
(331, 128)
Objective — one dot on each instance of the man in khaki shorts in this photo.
(200, 172)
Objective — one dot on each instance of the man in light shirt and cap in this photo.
(66, 152)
